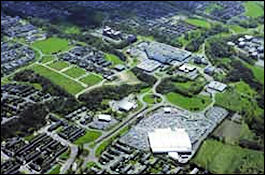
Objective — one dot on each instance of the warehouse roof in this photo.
(167, 140)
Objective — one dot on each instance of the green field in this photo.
(223, 159)
(75, 72)
(198, 22)
(59, 65)
(69, 85)
(51, 45)
(253, 9)
(196, 103)
(113, 58)
(90, 136)
(46, 59)
(91, 79)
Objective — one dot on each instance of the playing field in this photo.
(253, 9)
(221, 158)
(51, 45)
(198, 22)
(59, 65)
(46, 59)
(91, 79)
(75, 72)
(90, 136)
(196, 103)
(69, 85)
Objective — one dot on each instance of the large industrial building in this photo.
(167, 140)
(165, 53)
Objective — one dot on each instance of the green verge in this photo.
(55, 170)
(90, 136)
(69, 85)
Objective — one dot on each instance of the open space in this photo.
(253, 9)
(52, 45)
(69, 85)
(75, 72)
(195, 103)
(59, 65)
(91, 79)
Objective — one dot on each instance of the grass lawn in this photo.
(253, 9)
(91, 79)
(113, 58)
(69, 85)
(196, 103)
(151, 99)
(59, 65)
(52, 45)
(46, 59)
(198, 22)
(75, 72)
(55, 170)
(222, 158)
(90, 136)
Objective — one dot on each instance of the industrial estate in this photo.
(122, 87)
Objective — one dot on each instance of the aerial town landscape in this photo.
(123, 87)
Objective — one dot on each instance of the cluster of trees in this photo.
(241, 72)
(194, 44)
(167, 85)
(30, 120)
(93, 100)
(217, 48)
(144, 77)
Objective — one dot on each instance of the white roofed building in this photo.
(218, 86)
(125, 105)
(104, 117)
(167, 140)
